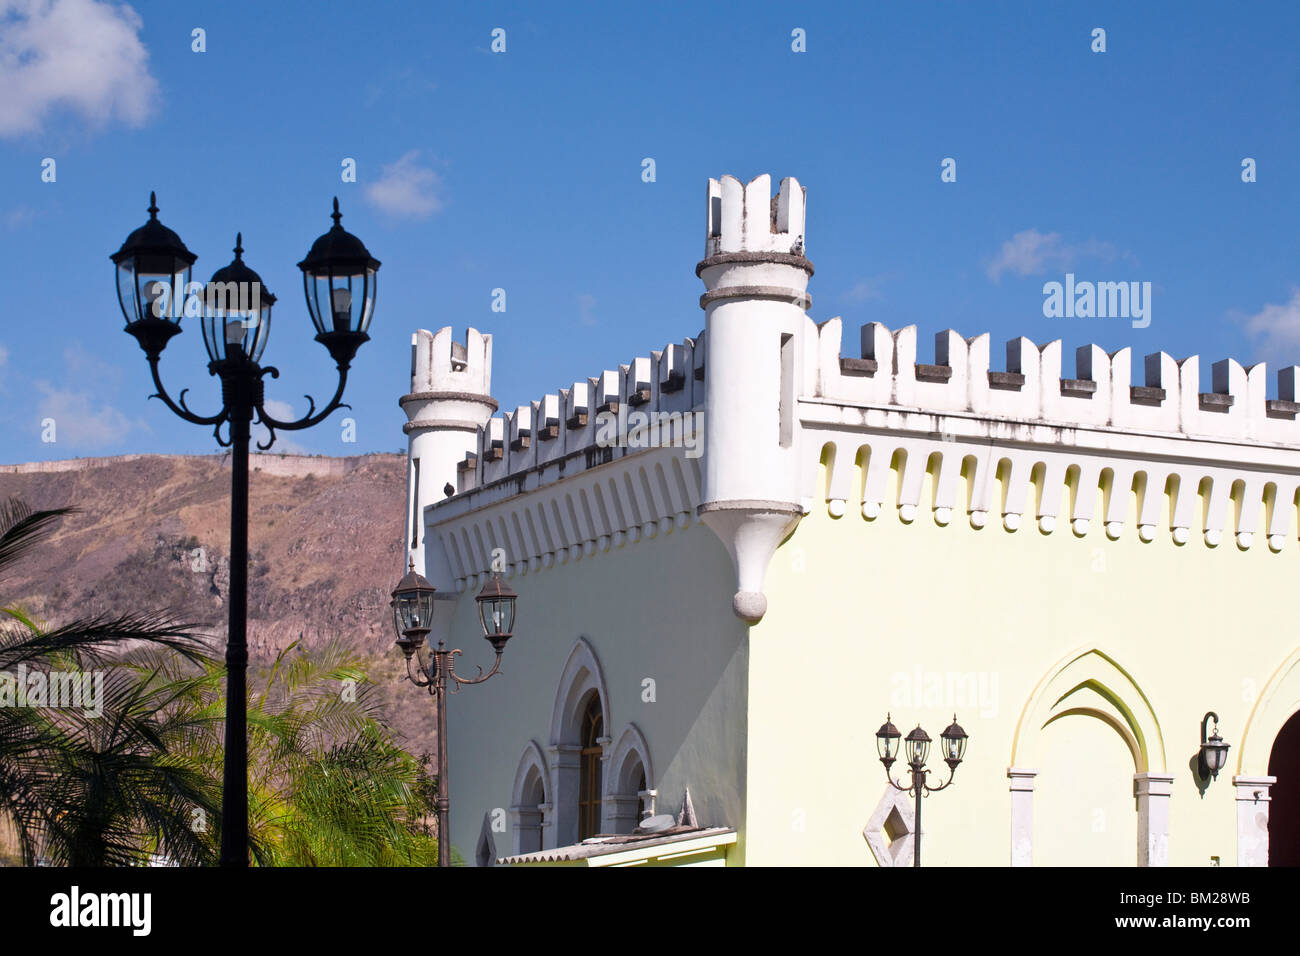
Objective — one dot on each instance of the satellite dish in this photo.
(654, 824)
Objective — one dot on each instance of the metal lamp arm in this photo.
(480, 678)
(898, 786)
(952, 772)
(424, 680)
(312, 417)
(179, 407)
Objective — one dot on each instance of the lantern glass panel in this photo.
(240, 317)
(152, 287)
(497, 615)
(368, 299)
(340, 303)
(1216, 754)
(954, 747)
(886, 743)
(917, 750)
(413, 609)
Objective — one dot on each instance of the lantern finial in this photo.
(336, 215)
(239, 245)
(153, 205)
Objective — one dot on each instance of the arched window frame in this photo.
(580, 677)
(623, 799)
(529, 820)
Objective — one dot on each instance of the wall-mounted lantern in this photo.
(1214, 752)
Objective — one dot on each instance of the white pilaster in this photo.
(1152, 792)
(1022, 815)
(1252, 819)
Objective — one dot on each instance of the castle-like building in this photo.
(737, 555)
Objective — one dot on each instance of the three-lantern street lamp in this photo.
(918, 748)
(154, 290)
(413, 620)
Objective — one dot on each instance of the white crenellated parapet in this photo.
(1163, 396)
(649, 402)
(748, 218)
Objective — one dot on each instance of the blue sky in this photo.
(522, 170)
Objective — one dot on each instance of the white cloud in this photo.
(19, 216)
(587, 310)
(1277, 326)
(407, 190)
(84, 56)
(1031, 252)
(81, 420)
(868, 288)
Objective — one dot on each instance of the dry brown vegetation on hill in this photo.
(153, 532)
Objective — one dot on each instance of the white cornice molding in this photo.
(617, 504)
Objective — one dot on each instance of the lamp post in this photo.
(154, 291)
(413, 620)
(918, 748)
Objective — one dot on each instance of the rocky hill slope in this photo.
(152, 533)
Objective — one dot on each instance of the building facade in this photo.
(736, 555)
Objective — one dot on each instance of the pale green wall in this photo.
(659, 609)
(852, 603)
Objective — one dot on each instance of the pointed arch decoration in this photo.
(630, 757)
(1277, 702)
(1088, 682)
(530, 801)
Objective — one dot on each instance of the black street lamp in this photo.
(154, 291)
(413, 620)
(918, 748)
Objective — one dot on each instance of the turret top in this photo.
(748, 218)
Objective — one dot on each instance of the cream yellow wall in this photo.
(856, 608)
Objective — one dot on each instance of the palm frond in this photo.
(21, 529)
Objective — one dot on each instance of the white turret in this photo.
(756, 278)
(449, 401)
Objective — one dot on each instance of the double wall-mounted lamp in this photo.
(413, 620)
(1214, 752)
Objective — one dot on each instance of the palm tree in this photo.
(329, 785)
(98, 785)
(140, 774)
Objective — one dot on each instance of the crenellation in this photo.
(672, 363)
(548, 412)
(439, 363)
(606, 390)
(638, 378)
(577, 405)
(1035, 387)
(558, 433)
(521, 431)
(747, 218)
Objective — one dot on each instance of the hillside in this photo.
(152, 532)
